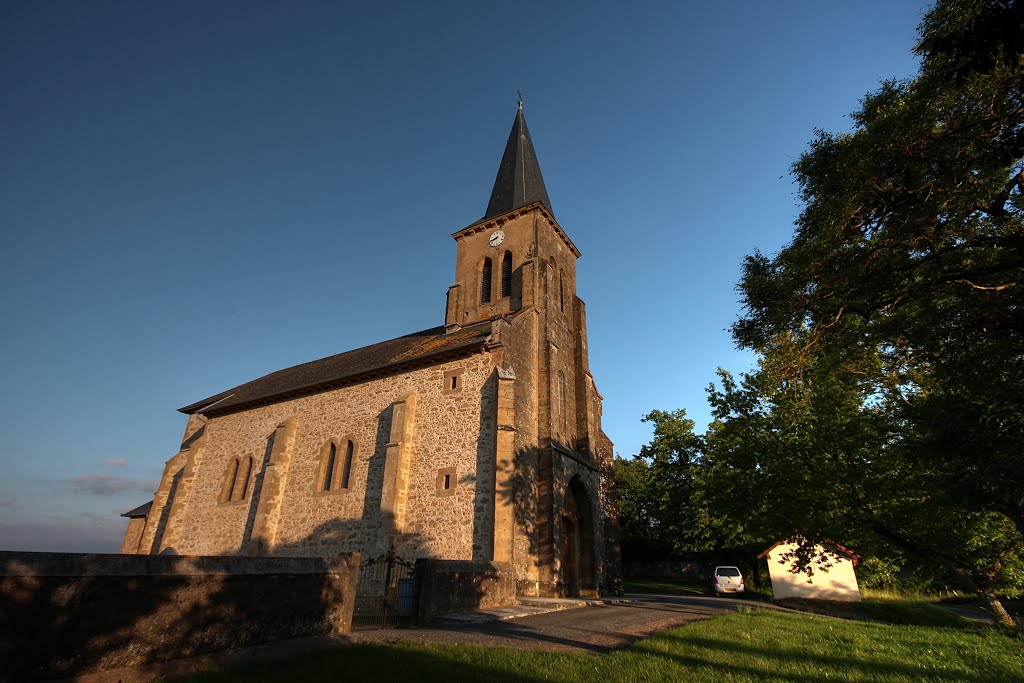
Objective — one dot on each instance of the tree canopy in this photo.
(889, 402)
(887, 409)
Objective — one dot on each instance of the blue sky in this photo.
(193, 194)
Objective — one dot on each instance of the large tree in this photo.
(888, 407)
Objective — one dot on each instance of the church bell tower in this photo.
(518, 228)
(516, 270)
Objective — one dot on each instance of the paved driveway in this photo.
(597, 629)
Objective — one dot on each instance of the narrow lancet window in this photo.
(328, 474)
(228, 491)
(335, 466)
(506, 274)
(561, 395)
(485, 282)
(242, 482)
(561, 290)
(346, 473)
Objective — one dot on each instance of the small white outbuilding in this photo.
(833, 576)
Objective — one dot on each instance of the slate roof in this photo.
(141, 511)
(386, 357)
(519, 181)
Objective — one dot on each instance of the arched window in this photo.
(485, 282)
(506, 274)
(347, 471)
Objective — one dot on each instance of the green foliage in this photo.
(662, 504)
(876, 572)
(674, 454)
(887, 411)
(639, 511)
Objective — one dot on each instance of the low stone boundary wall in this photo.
(65, 613)
(447, 586)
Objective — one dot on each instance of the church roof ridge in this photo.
(326, 373)
(519, 181)
(141, 511)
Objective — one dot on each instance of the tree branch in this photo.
(998, 206)
(997, 288)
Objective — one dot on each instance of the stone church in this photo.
(479, 439)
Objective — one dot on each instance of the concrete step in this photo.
(555, 604)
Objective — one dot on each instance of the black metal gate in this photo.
(386, 596)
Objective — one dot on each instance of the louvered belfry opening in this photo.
(506, 274)
(485, 282)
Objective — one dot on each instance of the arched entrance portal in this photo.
(577, 541)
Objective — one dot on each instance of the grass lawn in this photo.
(755, 645)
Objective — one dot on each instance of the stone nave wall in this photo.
(412, 433)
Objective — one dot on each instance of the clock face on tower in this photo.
(496, 238)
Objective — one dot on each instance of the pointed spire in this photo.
(519, 181)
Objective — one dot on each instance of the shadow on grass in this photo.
(543, 639)
(392, 662)
(795, 663)
(830, 668)
(896, 612)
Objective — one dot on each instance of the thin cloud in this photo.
(107, 485)
(113, 462)
(87, 533)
